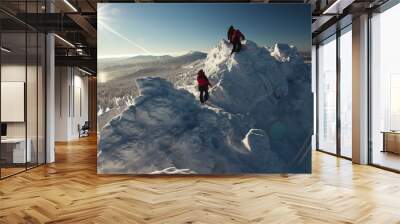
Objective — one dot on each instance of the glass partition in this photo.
(22, 77)
(13, 87)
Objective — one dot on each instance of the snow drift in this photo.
(259, 119)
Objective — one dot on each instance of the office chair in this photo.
(84, 130)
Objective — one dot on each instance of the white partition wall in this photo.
(13, 101)
(71, 102)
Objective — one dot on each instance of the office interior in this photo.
(44, 97)
(334, 72)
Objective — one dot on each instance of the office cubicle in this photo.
(22, 78)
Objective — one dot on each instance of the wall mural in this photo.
(204, 88)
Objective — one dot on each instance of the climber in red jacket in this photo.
(237, 38)
(203, 83)
(230, 33)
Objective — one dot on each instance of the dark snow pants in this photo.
(203, 93)
(237, 46)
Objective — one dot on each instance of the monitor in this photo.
(3, 129)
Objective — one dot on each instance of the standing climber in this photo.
(203, 84)
(230, 33)
(237, 38)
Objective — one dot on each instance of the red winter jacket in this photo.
(237, 36)
(202, 79)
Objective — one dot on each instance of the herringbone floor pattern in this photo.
(70, 191)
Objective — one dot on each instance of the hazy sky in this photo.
(128, 29)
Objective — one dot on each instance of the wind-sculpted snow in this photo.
(274, 93)
(259, 119)
(166, 127)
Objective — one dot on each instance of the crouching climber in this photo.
(203, 83)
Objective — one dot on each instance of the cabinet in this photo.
(13, 150)
(391, 142)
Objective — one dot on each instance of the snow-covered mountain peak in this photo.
(258, 118)
(286, 53)
(243, 79)
(220, 58)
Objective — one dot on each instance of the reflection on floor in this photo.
(8, 170)
(387, 159)
(346, 152)
(70, 191)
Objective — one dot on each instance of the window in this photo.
(327, 95)
(314, 91)
(385, 89)
(394, 102)
(346, 92)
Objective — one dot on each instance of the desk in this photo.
(391, 141)
(13, 150)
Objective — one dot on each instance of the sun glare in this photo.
(102, 77)
(105, 17)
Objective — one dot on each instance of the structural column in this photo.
(92, 101)
(50, 92)
(360, 90)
